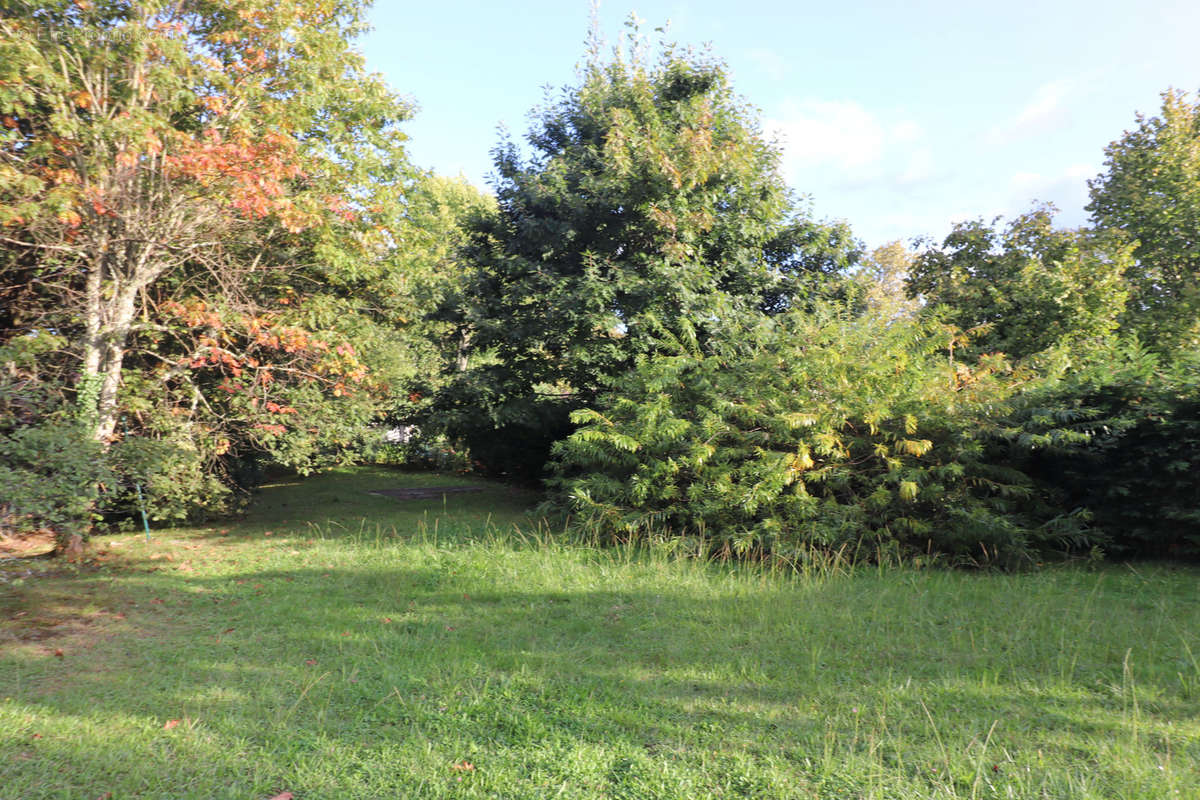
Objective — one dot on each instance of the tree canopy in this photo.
(178, 183)
(216, 256)
(1151, 191)
(1026, 287)
(651, 204)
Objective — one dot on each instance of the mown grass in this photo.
(374, 648)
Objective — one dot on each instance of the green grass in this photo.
(368, 646)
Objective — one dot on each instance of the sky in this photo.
(899, 117)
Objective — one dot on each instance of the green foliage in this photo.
(1027, 287)
(823, 430)
(1136, 468)
(651, 204)
(1151, 191)
(879, 284)
(205, 201)
(50, 473)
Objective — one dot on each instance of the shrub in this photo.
(802, 431)
(50, 474)
(1138, 471)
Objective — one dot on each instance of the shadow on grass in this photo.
(344, 501)
(322, 677)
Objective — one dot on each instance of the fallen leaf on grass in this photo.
(58, 653)
(228, 630)
(171, 723)
(463, 766)
(283, 796)
(37, 736)
(105, 796)
(267, 533)
(312, 662)
(387, 619)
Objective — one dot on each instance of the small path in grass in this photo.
(425, 492)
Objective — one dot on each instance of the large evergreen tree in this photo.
(651, 204)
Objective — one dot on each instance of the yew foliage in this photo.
(824, 430)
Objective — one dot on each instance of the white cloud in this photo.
(906, 131)
(919, 168)
(1044, 108)
(850, 145)
(769, 62)
(837, 133)
(1066, 189)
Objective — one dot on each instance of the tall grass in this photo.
(429, 651)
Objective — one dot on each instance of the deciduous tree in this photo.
(1027, 286)
(1151, 191)
(144, 142)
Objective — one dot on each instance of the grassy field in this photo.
(337, 644)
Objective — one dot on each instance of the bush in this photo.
(50, 474)
(803, 431)
(1138, 472)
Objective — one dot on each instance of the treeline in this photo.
(218, 258)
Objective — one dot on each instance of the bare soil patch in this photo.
(26, 545)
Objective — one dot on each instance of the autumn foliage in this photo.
(173, 199)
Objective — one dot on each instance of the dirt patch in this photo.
(26, 545)
(425, 493)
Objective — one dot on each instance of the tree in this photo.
(145, 142)
(192, 195)
(1026, 287)
(881, 280)
(1151, 191)
(651, 205)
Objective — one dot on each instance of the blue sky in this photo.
(899, 117)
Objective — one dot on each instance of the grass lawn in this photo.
(337, 644)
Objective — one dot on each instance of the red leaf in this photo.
(283, 796)
(312, 662)
(58, 653)
(463, 766)
(171, 723)
(105, 796)
(228, 630)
